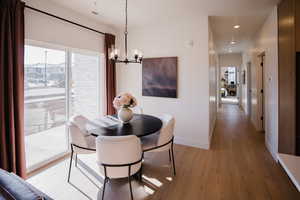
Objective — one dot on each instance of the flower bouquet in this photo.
(123, 103)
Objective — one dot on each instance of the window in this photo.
(231, 75)
(58, 84)
(85, 86)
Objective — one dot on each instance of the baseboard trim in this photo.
(271, 150)
(212, 132)
(288, 171)
(183, 141)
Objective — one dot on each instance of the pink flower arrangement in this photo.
(124, 100)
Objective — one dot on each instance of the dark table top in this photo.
(141, 125)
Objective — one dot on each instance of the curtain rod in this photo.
(65, 20)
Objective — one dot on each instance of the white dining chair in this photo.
(80, 140)
(137, 110)
(118, 157)
(163, 140)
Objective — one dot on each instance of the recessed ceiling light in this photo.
(95, 9)
(95, 13)
(232, 42)
(236, 26)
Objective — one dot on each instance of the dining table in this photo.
(140, 125)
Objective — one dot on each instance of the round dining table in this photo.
(140, 125)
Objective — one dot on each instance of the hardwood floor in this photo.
(238, 166)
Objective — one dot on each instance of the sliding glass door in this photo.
(58, 84)
(85, 90)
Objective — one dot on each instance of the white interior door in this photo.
(249, 93)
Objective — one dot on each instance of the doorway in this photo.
(229, 85)
(261, 92)
(249, 92)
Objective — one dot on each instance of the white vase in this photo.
(125, 114)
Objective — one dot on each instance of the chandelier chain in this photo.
(126, 20)
(126, 31)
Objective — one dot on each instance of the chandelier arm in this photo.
(128, 61)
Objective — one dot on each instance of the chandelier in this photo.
(137, 55)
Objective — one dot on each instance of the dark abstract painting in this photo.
(160, 77)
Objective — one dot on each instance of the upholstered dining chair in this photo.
(81, 141)
(137, 110)
(118, 157)
(163, 140)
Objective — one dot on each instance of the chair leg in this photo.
(170, 155)
(130, 187)
(70, 166)
(76, 160)
(141, 173)
(103, 190)
(172, 150)
(141, 170)
(129, 181)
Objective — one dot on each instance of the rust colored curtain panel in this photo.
(110, 75)
(12, 150)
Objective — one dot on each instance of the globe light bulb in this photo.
(140, 55)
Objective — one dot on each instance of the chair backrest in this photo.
(137, 110)
(78, 131)
(81, 122)
(167, 130)
(116, 150)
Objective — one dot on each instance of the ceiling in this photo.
(250, 14)
(225, 33)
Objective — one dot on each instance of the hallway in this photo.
(244, 169)
(238, 167)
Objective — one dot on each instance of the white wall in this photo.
(230, 60)
(191, 108)
(213, 83)
(40, 27)
(266, 41)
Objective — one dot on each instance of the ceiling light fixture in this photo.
(114, 55)
(236, 26)
(95, 10)
(232, 42)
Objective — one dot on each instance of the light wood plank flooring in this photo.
(238, 167)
